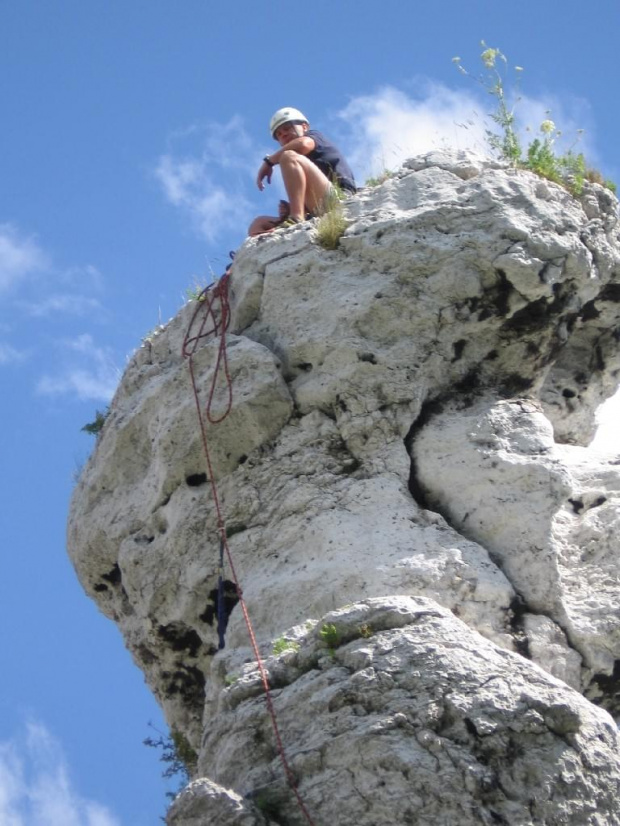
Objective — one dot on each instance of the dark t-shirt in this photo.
(330, 161)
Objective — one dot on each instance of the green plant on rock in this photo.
(379, 179)
(95, 427)
(282, 644)
(595, 177)
(365, 630)
(197, 291)
(330, 635)
(332, 224)
(541, 157)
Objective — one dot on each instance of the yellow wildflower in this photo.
(488, 57)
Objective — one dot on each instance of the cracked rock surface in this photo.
(406, 439)
(412, 718)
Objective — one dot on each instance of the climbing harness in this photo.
(212, 318)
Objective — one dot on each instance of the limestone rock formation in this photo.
(410, 506)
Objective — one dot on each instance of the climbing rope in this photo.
(212, 318)
(221, 613)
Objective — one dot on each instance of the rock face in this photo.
(409, 505)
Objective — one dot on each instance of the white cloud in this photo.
(19, 256)
(35, 785)
(89, 372)
(42, 288)
(86, 276)
(68, 304)
(9, 355)
(391, 125)
(199, 181)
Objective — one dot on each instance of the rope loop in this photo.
(206, 313)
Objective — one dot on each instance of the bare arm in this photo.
(302, 145)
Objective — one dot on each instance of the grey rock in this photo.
(403, 459)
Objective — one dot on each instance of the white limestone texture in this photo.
(549, 514)
(406, 436)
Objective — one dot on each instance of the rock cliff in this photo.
(412, 513)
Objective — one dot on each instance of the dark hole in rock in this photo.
(515, 385)
(502, 293)
(611, 292)
(532, 317)
(577, 505)
(589, 311)
(458, 348)
(194, 480)
(606, 690)
(369, 357)
(113, 576)
(351, 465)
(180, 638)
(231, 530)
(568, 393)
(189, 682)
(518, 609)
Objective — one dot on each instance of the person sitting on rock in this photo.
(312, 170)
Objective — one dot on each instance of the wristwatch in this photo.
(268, 160)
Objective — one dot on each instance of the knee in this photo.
(289, 157)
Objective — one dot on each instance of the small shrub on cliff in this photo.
(177, 754)
(330, 635)
(332, 224)
(567, 169)
(95, 427)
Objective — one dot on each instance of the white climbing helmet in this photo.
(284, 116)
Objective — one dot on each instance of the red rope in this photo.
(206, 308)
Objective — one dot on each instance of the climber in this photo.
(312, 168)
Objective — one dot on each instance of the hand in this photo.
(265, 171)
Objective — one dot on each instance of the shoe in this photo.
(289, 222)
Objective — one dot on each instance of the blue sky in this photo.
(131, 136)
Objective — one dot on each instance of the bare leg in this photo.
(264, 223)
(305, 184)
